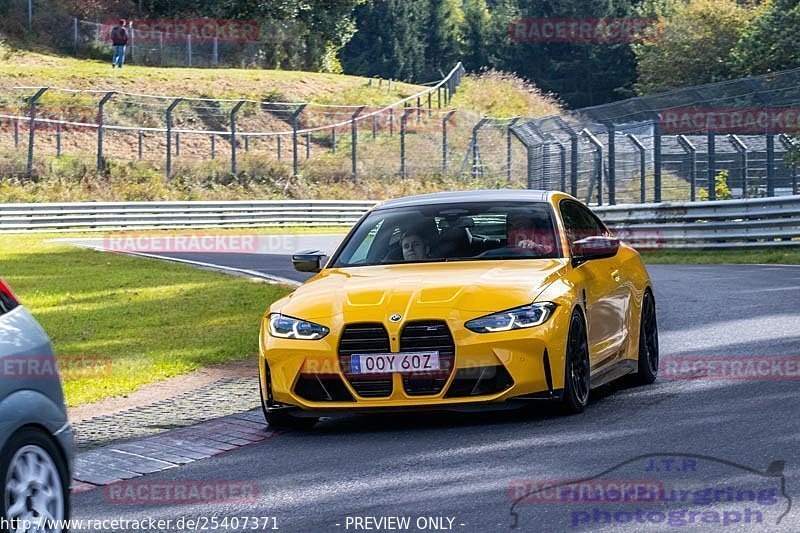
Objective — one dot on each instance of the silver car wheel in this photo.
(34, 495)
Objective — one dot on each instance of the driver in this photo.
(415, 247)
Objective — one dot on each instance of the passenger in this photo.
(529, 232)
(415, 247)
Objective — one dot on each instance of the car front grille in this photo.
(428, 336)
(361, 339)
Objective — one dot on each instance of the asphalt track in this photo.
(725, 454)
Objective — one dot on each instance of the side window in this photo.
(580, 222)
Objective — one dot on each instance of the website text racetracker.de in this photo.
(199, 523)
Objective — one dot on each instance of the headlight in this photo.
(518, 318)
(286, 327)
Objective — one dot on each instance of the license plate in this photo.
(384, 363)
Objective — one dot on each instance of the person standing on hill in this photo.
(119, 38)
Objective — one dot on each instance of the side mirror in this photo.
(309, 260)
(594, 248)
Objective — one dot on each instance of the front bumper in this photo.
(491, 368)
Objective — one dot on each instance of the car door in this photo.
(602, 291)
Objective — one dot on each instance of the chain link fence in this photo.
(722, 140)
(726, 140)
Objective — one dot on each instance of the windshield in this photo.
(452, 232)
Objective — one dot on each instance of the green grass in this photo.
(23, 68)
(777, 255)
(500, 94)
(151, 319)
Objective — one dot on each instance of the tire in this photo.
(30, 500)
(283, 419)
(647, 366)
(577, 373)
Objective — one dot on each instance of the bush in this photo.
(723, 192)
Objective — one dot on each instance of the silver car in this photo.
(35, 437)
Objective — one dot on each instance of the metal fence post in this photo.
(139, 139)
(215, 51)
(246, 143)
(712, 163)
(189, 48)
(171, 107)
(742, 149)
(562, 159)
(333, 139)
(642, 166)
(574, 155)
(133, 44)
(374, 126)
(770, 164)
(403, 121)
(58, 136)
(612, 164)
(598, 165)
(789, 145)
(511, 124)
(213, 146)
(32, 129)
(692, 151)
(474, 146)
(235, 110)
(16, 133)
(177, 143)
(75, 34)
(391, 122)
(657, 160)
(161, 48)
(295, 159)
(100, 127)
(445, 120)
(354, 135)
(280, 147)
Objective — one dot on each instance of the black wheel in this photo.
(576, 379)
(34, 485)
(283, 418)
(648, 342)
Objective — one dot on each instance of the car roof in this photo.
(490, 195)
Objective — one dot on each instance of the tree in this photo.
(389, 40)
(476, 33)
(694, 44)
(443, 46)
(769, 43)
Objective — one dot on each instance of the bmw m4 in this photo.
(457, 300)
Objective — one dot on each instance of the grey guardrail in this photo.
(719, 224)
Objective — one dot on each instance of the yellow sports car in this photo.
(452, 300)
